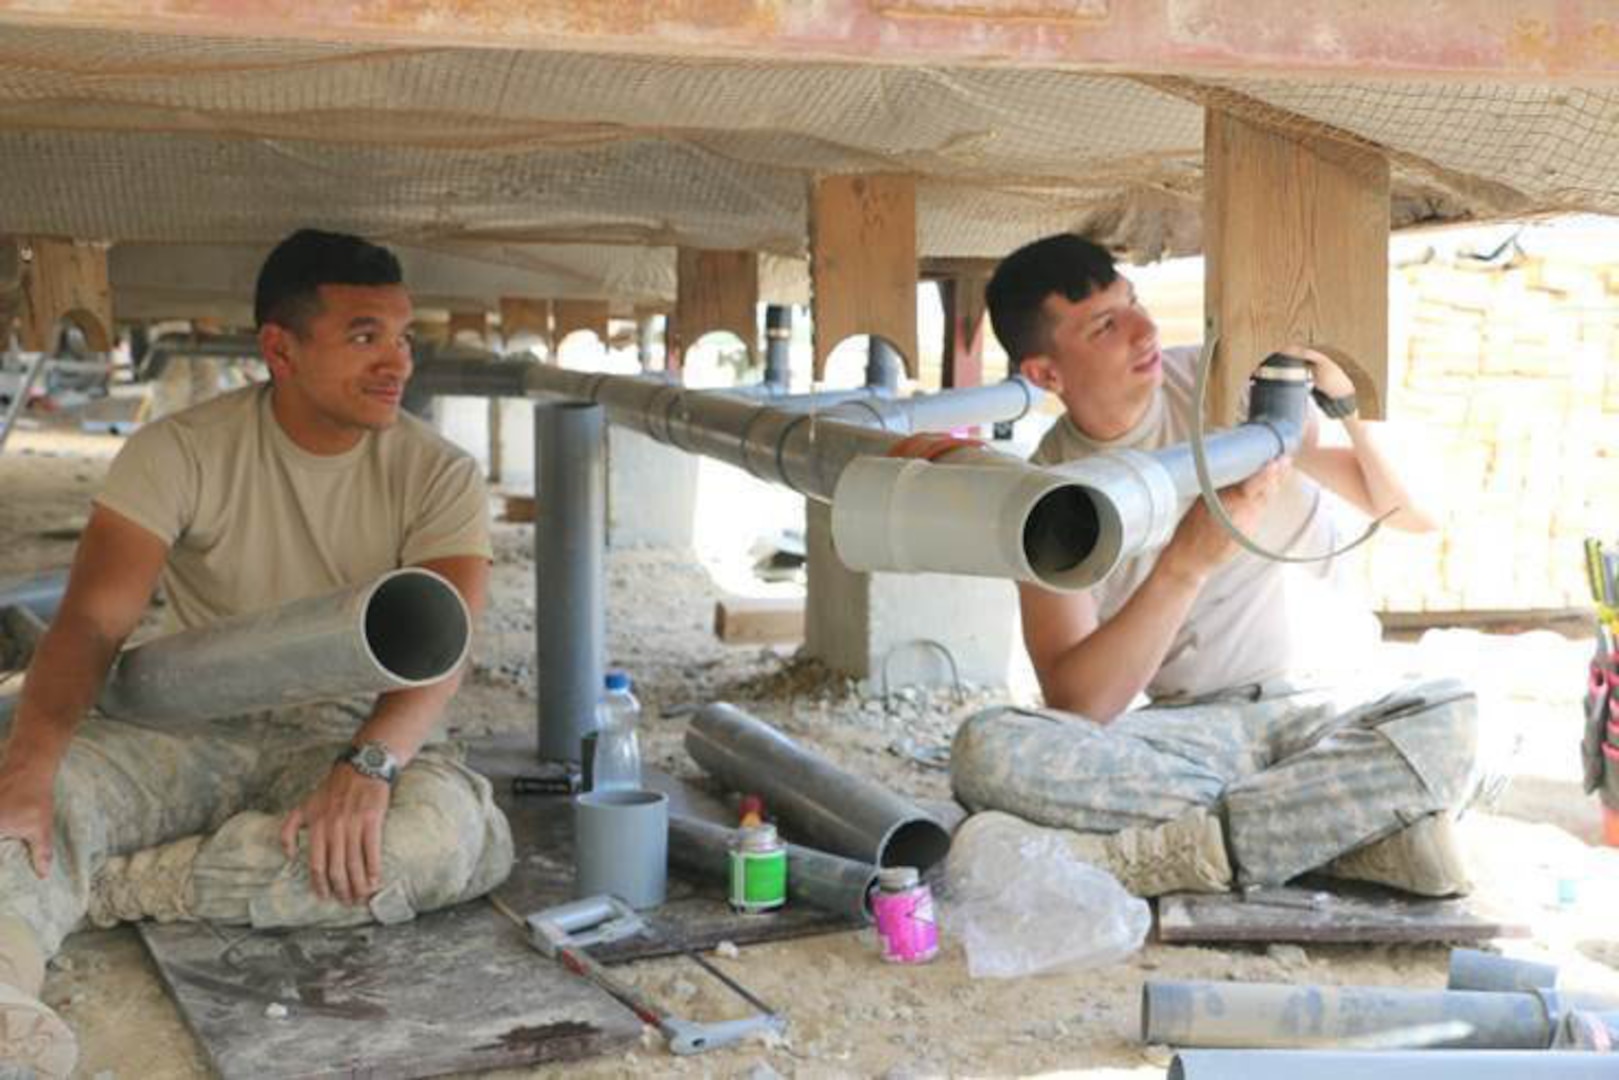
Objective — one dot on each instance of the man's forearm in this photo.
(403, 719)
(1100, 675)
(63, 682)
(1385, 491)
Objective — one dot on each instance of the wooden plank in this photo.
(452, 992)
(1348, 913)
(519, 508)
(526, 315)
(863, 263)
(962, 296)
(755, 620)
(474, 324)
(1296, 245)
(66, 280)
(572, 315)
(714, 290)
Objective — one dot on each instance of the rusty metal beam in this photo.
(1575, 40)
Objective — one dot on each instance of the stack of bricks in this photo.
(1507, 377)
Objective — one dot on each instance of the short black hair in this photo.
(1066, 264)
(288, 291)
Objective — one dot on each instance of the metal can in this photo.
(903, 907)
(758, 861)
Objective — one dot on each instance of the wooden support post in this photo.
(522, 315)
(714, 290)
(66, 280)
(1296, 244)
(962, 297)
(475, 324)
(571, 315)
(863, 263)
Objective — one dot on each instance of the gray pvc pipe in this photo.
(830, 882)
(1250, 1015)
(1391, 1065)
(408, 628)
(1471, 969)
(778, 344)
(570, 537)
(40, 593)
(883, 365)
(832, 809)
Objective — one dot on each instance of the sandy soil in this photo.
(850, 1014)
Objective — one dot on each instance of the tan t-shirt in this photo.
(1238, 631)
(253, 521)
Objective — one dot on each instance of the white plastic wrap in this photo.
(1021, 903)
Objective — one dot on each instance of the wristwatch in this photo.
(1335, 407)
(372, 759)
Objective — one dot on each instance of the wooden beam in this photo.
(524, 315)
(1296, 249)
(571, 315)
(66, 280)
(714, 290)
(759, 620)
(469, 322)
(962, 297)
(863, 263)
(1472, 40)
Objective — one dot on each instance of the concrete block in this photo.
(651, 492)
(856, 623)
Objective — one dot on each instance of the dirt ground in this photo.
(850, 1014)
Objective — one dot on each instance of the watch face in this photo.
(372, 757)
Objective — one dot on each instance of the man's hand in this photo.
(1329, 377)
(26, 810)
(344, 818)
(1201, 544)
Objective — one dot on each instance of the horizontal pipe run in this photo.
(409, 628)
(829, 808)
(827, 881)
(1273, 1015)
(40, 593)
(1392, 1065)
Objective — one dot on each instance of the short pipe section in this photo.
(1391, 1065)
(417, 627)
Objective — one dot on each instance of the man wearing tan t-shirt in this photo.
(1232, 764)
(260, 497)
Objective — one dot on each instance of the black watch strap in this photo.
(372, 759)
(1335, 407)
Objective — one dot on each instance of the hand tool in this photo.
(563, 932)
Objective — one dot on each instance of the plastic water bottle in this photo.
(617, 763)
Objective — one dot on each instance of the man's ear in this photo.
(1039, 370)
(276, 345)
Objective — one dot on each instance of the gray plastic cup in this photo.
(621, 845)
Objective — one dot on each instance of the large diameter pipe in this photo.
(409, 628)
(829, 808)
(1391, 1065)
(570, 536)
(829, 882)
(40, 593)
(1249, 1015)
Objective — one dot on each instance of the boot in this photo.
(1422, 858)
(150, 884)
(33, 1039)
(1184, 855)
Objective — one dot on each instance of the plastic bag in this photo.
(1021, 903)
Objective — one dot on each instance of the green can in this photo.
(758, 870)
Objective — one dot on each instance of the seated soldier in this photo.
(1232, 764)
(331, 815)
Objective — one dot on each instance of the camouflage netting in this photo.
(569, 167)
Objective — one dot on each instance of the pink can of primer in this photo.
(903, 906)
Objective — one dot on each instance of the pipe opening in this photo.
(919, 842)
(1061, 530)
(416, 626)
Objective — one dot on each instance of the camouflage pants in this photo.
(124, 788)
(1299, 778)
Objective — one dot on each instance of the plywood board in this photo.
(1342, 913)
(452, 992)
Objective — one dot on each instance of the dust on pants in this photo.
(1300, 778)
(124, 787)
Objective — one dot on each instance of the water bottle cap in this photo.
(618, 680)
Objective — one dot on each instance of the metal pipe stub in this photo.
(830, 882)
(409, 628)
